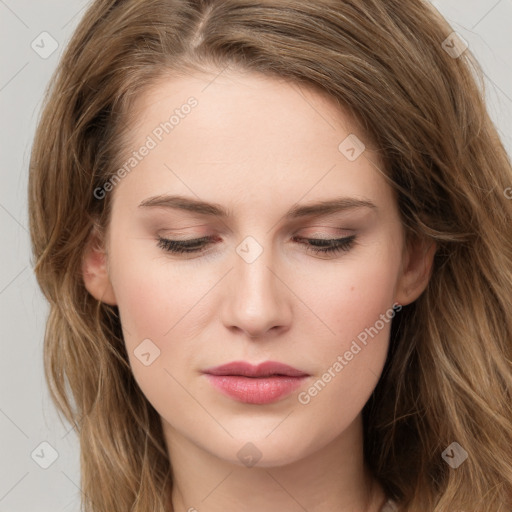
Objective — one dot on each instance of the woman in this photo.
(277, 244)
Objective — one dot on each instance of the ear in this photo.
(418, 259)
(95, 269)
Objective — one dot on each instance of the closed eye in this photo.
(314, 245)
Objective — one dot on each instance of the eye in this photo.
(183, 246)
(315, 245)
(328, 245)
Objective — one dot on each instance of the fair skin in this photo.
(257, 147)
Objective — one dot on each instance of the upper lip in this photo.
(266, 369)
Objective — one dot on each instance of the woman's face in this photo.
(246, 165)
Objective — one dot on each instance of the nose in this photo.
(257, 299)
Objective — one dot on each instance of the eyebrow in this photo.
(298, 211)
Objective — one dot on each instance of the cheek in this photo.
(356, 304)
(155, 305)
(152, 293)
(352, 295)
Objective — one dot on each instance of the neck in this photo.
(333, 478)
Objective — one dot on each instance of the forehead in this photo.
(248, 136)
(228, 100)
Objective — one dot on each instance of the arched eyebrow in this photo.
(325, 207)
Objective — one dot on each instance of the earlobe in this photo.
(95, 270)
(417, 269)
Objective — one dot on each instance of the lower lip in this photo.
(251, 390)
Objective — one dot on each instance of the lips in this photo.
(262, 384)
(266, 369)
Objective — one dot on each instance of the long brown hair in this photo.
(448, 377)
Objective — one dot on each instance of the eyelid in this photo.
(326, 231)
(329, 229)
(328, 247)
(350, 216)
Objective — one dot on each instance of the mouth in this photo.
(265, 383)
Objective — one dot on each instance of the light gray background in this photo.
(27, 416)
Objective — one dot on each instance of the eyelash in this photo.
(198, 245)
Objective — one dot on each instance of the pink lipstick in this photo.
(262, 384)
